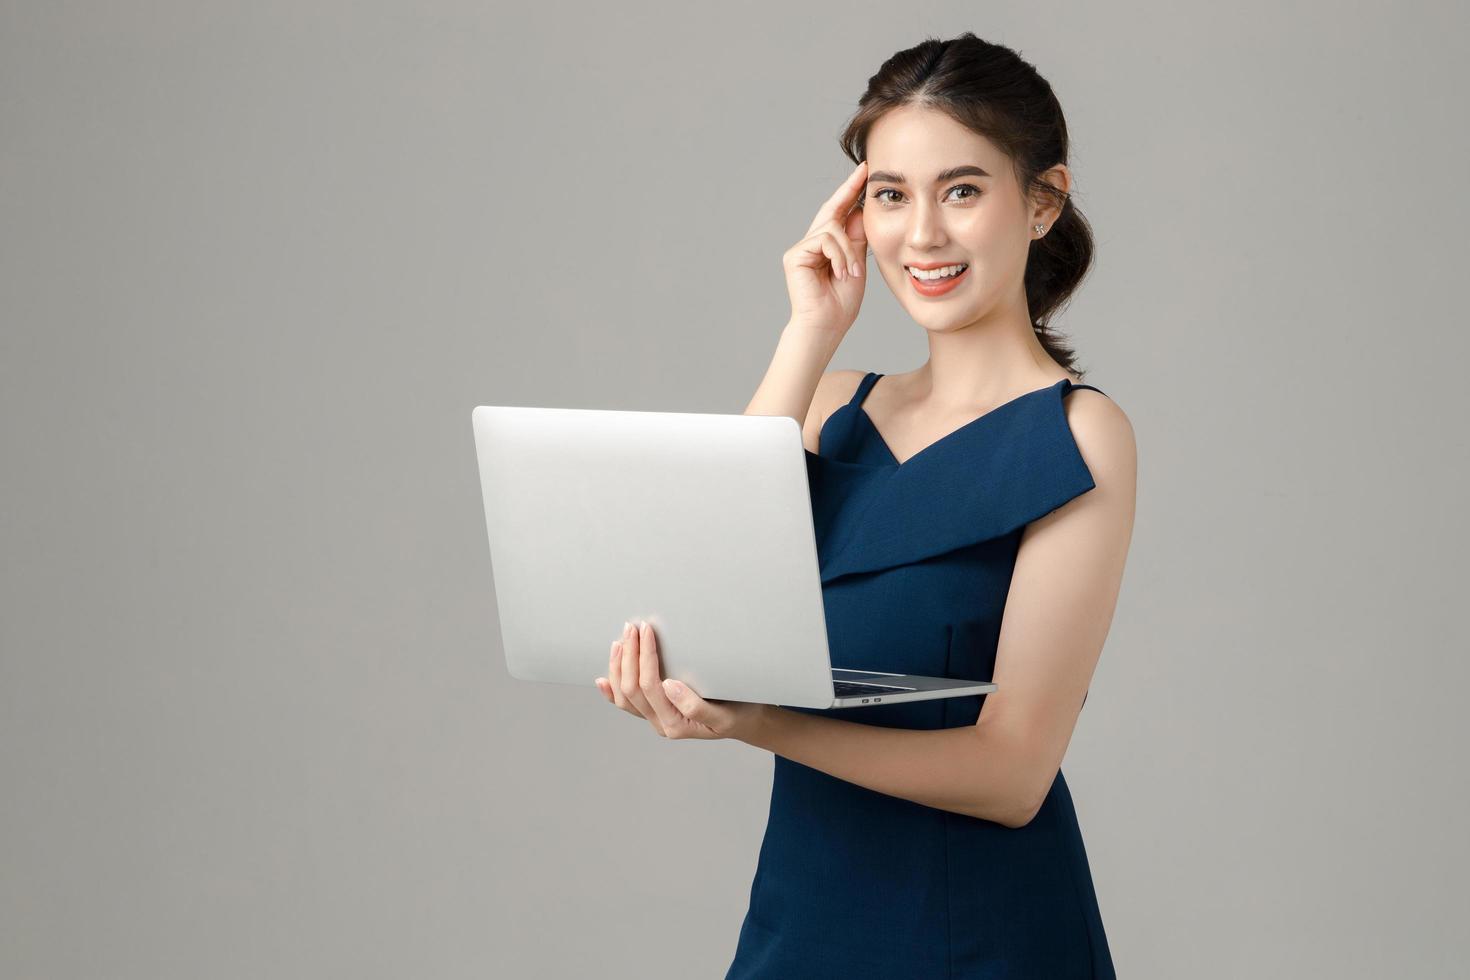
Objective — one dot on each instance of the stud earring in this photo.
(1040, 229)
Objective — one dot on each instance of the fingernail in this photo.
(673, 688)
(857, 270)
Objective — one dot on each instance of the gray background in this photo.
(260, 260)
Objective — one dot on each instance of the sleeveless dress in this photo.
(916, 560)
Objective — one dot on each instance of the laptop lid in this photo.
(699, 523)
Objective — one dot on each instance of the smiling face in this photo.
(940, 194)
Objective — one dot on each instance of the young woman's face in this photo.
(976, 218)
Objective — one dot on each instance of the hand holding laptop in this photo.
(635, 683)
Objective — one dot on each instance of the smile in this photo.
(936, 282)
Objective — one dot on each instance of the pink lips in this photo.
(936, 287)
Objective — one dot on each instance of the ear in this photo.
(1048, 207)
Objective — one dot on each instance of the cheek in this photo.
(885, 238)
(980, 232)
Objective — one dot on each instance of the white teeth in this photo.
(944, 273)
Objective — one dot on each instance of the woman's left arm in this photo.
(1063, 591)
(1060, 606)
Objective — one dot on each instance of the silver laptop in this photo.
(699, 523)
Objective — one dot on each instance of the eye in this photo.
(975, 192)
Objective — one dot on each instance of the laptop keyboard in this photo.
(846, 689)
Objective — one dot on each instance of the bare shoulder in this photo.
(1104, 436)
(834, 389)
(1103, 517)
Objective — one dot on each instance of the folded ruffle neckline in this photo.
(988, 478)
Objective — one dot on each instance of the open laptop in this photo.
(699, 523)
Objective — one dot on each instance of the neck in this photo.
(984, 362)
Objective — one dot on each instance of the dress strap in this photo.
(864, 386)
(1074, 384)
(871, 378)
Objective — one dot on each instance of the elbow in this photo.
(1022, 816)
(1025, 805)
(1017, 793)
(1018, 811)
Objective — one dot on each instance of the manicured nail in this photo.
(857, 270)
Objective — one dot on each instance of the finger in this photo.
(603, 687)
(824, 248)
(845, 261)
(844, 197)
(615, 678)
(651, 682)
(646, 670)
(855, 253)
(632, 693)
(612, 673)
(704, 720)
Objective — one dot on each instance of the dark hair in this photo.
(991, 90)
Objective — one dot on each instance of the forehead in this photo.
(919, 143)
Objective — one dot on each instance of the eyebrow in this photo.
(889, 177)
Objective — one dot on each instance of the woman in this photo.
(973, 517)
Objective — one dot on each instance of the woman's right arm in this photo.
(795, 378)
(826, 295)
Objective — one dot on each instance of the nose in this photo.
(926, 229)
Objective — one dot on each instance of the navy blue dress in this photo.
(916, 559)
